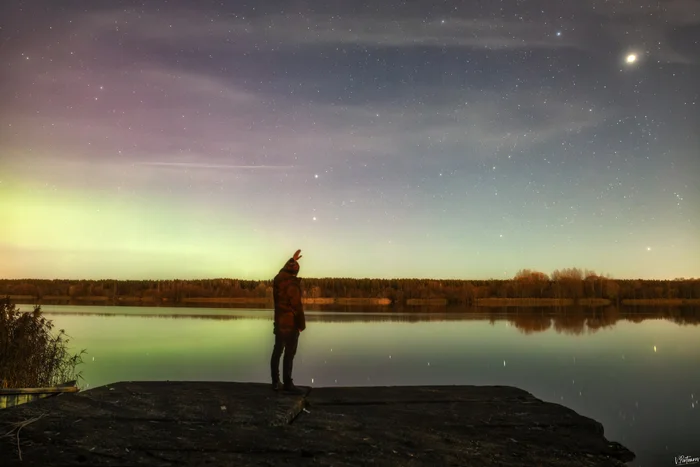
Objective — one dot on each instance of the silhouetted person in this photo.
(289, 322)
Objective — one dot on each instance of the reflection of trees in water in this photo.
(531, 323)
(568, 320)
(576, 321)
(604, 317)
(154, 316)
(570, 323)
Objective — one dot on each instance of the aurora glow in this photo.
(436, 141)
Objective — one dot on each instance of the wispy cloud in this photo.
(365, 30)
(192, 165)
(525, 32)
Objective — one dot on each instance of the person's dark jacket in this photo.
(286, 291)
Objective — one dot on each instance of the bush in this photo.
(30, 354)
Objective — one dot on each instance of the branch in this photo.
(17, 427)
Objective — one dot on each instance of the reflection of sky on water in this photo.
(639, 379)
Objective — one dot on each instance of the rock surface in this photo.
(244, 424)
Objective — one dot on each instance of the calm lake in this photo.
(638, 375)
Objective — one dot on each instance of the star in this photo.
(512, 122)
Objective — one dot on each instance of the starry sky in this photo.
(157, 140)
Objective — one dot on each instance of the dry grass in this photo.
(31, 355)
(426, 301)
(661, 301)
(524, 302)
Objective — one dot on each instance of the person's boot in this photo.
(276, 384)
(289, 388)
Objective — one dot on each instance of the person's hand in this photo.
(297, 255)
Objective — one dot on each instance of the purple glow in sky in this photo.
(384, 139)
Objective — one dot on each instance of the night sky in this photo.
(385, 139)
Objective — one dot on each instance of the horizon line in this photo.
(341, 277)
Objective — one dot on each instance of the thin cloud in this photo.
(191, 165)
(278, 30)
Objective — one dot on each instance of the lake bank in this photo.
(169, 423)
(263, 302)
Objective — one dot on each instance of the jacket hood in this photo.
(291, 267)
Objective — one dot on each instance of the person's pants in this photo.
(286, 343)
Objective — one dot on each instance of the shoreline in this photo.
(347, 302)
(146, 423)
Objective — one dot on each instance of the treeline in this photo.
(574, 284)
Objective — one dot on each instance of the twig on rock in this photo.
(17, 427)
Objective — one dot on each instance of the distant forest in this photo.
(571, 284)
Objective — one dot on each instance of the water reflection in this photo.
(529, 321)
(634, 370)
